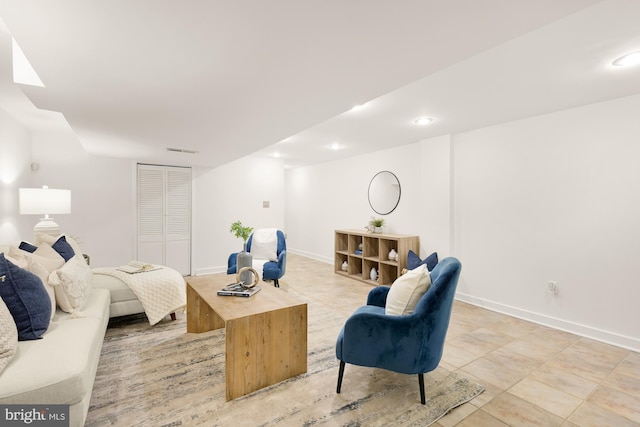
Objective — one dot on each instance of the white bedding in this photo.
(160, 292)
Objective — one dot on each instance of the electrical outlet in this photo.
(552, 287)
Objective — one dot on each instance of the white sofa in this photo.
(61, 367)
(123, 301)
(157, 293)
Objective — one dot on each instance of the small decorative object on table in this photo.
(244, 258)
(375, 225)
(242, 289)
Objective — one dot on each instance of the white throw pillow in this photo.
(43, 274)
(8, 336)
(407, 290)
(74, 245)
(72, 284)
(45, 255)
(45, 238)
(264, 244)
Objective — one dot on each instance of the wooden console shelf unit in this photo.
(375, 253)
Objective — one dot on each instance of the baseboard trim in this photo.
(209, 270)
(311, 255)
(586, 331)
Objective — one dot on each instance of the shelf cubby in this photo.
(375, 254)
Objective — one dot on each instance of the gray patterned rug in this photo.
(162, 376)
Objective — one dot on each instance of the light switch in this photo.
(265, 204)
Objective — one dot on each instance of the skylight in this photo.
(23, 72)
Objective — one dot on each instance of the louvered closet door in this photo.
(164, 216)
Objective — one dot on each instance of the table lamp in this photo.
(44, 201)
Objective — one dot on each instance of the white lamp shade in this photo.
(39, 201)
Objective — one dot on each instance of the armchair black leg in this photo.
(276, 283)
(421, 383)
(340, 374)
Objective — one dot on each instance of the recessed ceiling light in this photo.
(359, 107)
(276, 155)
(632, 58)
(335, 146)
(423, 121)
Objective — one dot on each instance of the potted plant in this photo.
(376, 224)
(241, 231)
(244, 258)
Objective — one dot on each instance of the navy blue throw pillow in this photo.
(27, 247)
(63, 248)
(413, 260)
(26, 298)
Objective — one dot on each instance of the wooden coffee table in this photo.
(266, 334)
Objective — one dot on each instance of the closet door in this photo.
(164, 216)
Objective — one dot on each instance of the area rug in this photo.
(162, 376)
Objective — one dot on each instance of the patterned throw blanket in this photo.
(161, 291)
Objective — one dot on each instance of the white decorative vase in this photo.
(393, 255)
(345, 266)
(373, 274)
(377, 230)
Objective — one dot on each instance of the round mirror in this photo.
(384, 192)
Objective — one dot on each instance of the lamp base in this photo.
(47, 226)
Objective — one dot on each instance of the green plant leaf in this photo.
(241, 231)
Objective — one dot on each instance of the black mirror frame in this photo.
(399, 193)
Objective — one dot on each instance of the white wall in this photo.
(102, 205)
(435, 210)
(15, 161)
(330, 196)
(554, 197)
(234, 192)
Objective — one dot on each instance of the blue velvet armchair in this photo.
(409, 344)
(271, 270)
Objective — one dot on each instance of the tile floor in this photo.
(533, 375)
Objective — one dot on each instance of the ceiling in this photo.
(230, 78)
